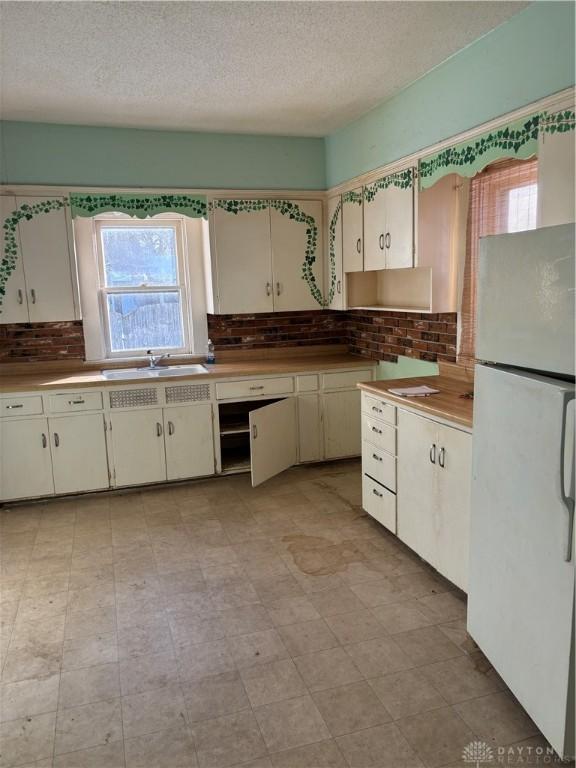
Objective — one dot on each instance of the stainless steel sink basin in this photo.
(154, 373)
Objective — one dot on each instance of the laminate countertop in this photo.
(450, 403)
(253, 367)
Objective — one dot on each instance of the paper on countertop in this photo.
(422, 391)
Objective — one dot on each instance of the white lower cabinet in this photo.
(309, 428)
(342, 424)
(273, 439)
(379, 502)
(79, 457)
(26, 464)
(138, 446)
(189, 440)
(434, 467)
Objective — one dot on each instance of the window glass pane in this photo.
(145, 321)
(135, 256)
(522, 204)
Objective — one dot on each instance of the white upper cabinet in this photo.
(259, 256)
(352, 231)
(334, 266)
(290, 241)
(243, 274)
(388, 226)
(46, 259)
(15, 304)
(556, 179)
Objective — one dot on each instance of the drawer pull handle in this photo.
(171, 428)
(56, 439)
(44, 441)
(33, 295)
(378, 410)
(378, 431)
(339, 287)
(375, 456)
(254, 431)
(359, 245)
(158, 429)
(377, 493)
(441, 457)
(278, 289)
(433, 453)
(20, 296)
(268, 289)
(11, 407)
(388, 240)
(76, 402)
(260, 386)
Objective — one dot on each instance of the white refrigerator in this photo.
(521, 580)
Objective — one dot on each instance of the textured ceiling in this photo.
(293, 68)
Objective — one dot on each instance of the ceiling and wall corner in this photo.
(525, 59)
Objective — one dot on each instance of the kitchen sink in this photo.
(154, 373)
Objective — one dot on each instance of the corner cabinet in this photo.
(42, 288)
(266, 255)
(416, 482)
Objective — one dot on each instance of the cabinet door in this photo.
(47, 265)
(556, 179)
(352, 231)
(138, 446)
(399, 236)
(334, 266)
(273, 439)
(243, 261)
(26, 465)
(417, 483)
(374, 230)
(289, 242)
(342, 424)
(79, 456)
(14, 308)
(189, 439)
(452, 509)
(309, 428)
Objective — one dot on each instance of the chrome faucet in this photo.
(155, 360)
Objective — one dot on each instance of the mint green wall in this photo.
(42, 153)
(525, 59)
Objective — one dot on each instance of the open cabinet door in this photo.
(273, 438)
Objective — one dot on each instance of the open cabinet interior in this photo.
(235, 433)
(396, 289)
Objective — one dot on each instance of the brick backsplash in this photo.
(375, 335)
(39, 342)
(275, 329)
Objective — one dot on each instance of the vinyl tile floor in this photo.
(212, 624)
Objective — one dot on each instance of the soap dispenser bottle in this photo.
(210, 354)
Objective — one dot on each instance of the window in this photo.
(143, 294)
(503, 198)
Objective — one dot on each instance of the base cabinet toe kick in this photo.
(93, 439)
(416, 474)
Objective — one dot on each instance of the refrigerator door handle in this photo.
(567, 500)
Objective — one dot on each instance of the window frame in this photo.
(123, 221)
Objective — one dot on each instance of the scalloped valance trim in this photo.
(141, 206)
(517, 140)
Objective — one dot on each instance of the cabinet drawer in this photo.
(379, 434)
(379, 502)
(381, 466)
(76, 401)
(378, 408)
(345, 379)
(254, 387)
(307, 383)
(21, 406)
